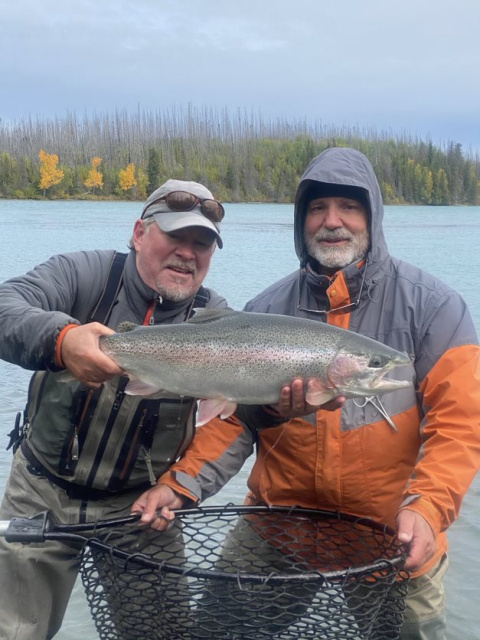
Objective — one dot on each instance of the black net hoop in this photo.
(239, 572)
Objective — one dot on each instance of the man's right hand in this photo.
(81, 355)
(292, 402)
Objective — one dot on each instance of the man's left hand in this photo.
(156, 506)
(417, 535)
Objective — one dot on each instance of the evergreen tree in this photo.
(153, 170)
(441, 193)
(9, 175)
(472, 188)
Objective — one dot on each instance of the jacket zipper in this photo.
(107, 430)
(148, 462)
(75, 448)
(149, 319)
(131, 450)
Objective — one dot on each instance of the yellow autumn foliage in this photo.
(95, 177)
(49, 174)
(126, 177)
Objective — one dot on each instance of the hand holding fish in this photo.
(293, 404)
(82, 356)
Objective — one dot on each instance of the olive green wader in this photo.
(33, 603)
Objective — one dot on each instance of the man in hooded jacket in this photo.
(406, 461)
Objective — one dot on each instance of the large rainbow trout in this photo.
(224, 357)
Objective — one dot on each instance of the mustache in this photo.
(333, 234)
(186, 265)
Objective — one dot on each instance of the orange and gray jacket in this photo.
(418, 447)
(98, 440)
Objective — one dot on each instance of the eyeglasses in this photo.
(350, 305)
(183, 201)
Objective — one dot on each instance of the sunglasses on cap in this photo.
(184, 201)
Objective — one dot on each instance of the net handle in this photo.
(42, 527)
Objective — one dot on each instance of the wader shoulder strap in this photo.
(201, 298)
(101, 312)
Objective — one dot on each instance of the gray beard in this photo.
(338, 257)
(174, 294)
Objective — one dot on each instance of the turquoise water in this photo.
(258, 250)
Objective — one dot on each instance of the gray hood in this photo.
(343, 167)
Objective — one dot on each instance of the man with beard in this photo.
(87, 451)
(407, 460)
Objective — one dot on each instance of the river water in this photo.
(258, 250)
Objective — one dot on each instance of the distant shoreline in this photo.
(226, 202)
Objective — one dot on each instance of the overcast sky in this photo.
(411, 66)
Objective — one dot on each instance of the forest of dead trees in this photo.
(239, 156)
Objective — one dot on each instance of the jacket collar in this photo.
(354, 275)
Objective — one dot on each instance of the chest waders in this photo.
(95, 442)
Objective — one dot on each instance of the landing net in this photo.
(246, 572)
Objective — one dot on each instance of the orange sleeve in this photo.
(449, 457)
(212, 441)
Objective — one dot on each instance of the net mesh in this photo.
(253, 573)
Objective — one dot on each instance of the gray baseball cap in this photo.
(169, 220)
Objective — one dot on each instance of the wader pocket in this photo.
(159, 432)
(83, 406)
(140, 435)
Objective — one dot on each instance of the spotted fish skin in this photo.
(229, 357)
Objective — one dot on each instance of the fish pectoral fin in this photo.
(140, 388)
(318, 393)
(209, 409)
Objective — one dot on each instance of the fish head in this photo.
(361, 372)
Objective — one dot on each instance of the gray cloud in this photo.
(409, 67)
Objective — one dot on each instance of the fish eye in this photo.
(376, 362)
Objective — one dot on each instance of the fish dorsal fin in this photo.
(125, 326)
(209, 315)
